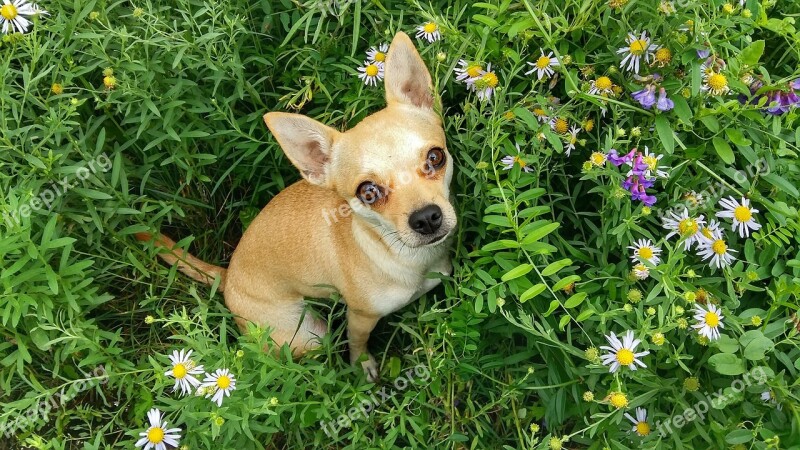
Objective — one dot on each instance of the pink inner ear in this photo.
(418, 93)
(314, 159)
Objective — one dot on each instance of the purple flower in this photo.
(702, 54)
(664, 103)
(646, 97)
(795, 84)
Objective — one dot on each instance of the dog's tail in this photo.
(188, 264)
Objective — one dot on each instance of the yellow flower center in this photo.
(588, 125)
(380, 56)
(430, 27)
(474, 70)
(619, 400)
(742, 214)
(603, 83)
(490, 79)
(519, 161)
(371, 70)
(712, 319)
(110, 81)
(598, 158)
(646, 252)
(717, 81)
(707, 232)
(155, 435)
(543, 62)
(625, 357)
(719, 247)
(643, 428)
(638, 47)
(223, 382)
(651, 161)
(687, 227)
(539, 112)
(663, 55)
(561, 126)
(179, 371)
(8, 11)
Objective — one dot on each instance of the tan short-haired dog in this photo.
(369, 220)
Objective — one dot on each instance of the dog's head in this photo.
(393, 168)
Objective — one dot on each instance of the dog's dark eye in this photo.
(369, 192)
(436, 158)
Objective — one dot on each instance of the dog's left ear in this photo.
(407, 79)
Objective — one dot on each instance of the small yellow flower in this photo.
(627, 307)
(138, 12)
(218, 421)
(617, 4)
(273, 401)
(701, 295)
(108, 72)
(636, 131)
(746, 13)
(500, 302)
(110, 82)
(560, 125)
(482, 165)
(691, 384)
(690, 297)
(682, 323)
(646, 210)
(588, 125)
(240, 353)
(588, 396)
(663, 56)
(591, 354)
(94, 15)
(651, 311)
(634, 295)
(149, 320)
(57, 89)
(728, 8)
(658, 338)
(555, 443)
(618, 400)
(441, 57)
(598, 159)
(704, 341)
(534, 428)
(756, 321)
(679, 310)
(621, 132)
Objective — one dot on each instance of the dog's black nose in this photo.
(426, 220)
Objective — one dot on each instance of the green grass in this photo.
(542, 268)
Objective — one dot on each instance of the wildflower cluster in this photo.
(643, 172)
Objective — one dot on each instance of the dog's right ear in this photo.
(306, 142)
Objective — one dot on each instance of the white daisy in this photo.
(641, 272)
(645, 250)
(509, 161)
(767, 396)
(371, 73)
(485, 84)
(652, 160)
(572, 139)
(714, 83)
(709, 321)
(378, 53)
(544, 65)
(183, 370)
(622, 353)
(429, 32)
(636, 49)
(157, 435)
(741, 213)
(467, 70)
(693, 198)
(15, 15)
(717, 250)
(640, 425)
(220, 384)
(710, 232)
(684, 226)
(602, 86)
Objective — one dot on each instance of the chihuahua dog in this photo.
(370, 218)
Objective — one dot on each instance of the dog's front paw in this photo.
(371, 369)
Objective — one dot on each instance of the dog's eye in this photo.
(369, 192)
(435, 158)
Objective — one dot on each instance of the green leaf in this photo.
(739, 437)
(665, 134)
(752, 53)
(726, 364)
(723, 150)
(553, 305)
(556, 266)
(562, 283)
(531, 292)
(517, 272)
(539, 233)
(575, 300)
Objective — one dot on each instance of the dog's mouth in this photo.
(436, 239)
